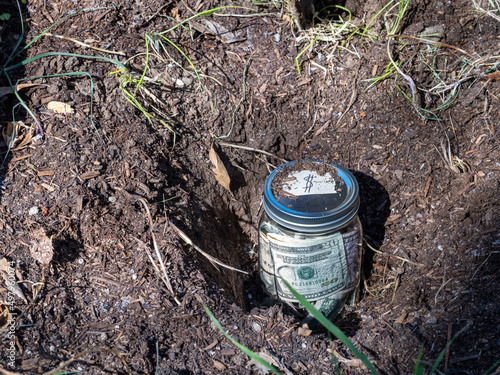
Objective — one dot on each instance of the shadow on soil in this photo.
(11, 30)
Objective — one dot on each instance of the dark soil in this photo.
(438, 229)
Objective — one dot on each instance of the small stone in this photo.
(256, 327)
(187, 81)
(112, 199)
(33, 211)
(179, 83)
(432, 321)
(37, 140)
(277, 37)
(399, 174)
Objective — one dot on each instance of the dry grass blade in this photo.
(220, 171)
(392, 255)
(5, 316)
(208, 256)
(85, 45)
(454, 163)
(77, 357)
(164, 274)
(7, 372)
(162, 271)
(13, 136)
(246, 148)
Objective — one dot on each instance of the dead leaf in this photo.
(174, 13)
(219, 170)
(59, 107)
(214, 28)
(17, 135)
(8, 274)
(42, 249)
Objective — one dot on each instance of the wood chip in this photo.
(401, 318)
(211, 346)
(393, 217)
(304, 331)
(47, 172)
(219, 170)
(59, 107)
(89, 175)
(48, 187)
(219, 366)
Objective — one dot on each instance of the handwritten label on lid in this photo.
(299, 183)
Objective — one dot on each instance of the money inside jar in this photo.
(310, 235)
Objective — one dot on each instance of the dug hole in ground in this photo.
(409, 102)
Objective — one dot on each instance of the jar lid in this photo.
(311, 196)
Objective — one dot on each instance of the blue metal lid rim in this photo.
(313, 222)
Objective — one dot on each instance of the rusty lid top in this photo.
(311, 196)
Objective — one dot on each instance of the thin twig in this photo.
(208, 256)
(392, 255)
(85, 44)
(445, 282)
(166, 279)
(482, 264)
(252, 149)
(428, 41)
(163, 274)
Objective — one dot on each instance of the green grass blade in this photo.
(205, 13)
(48, 54)
(494, 366)
(244, 349)
(304, 50)
(375, 16)
(419, 370)
(23, 104)
(185, 56)
(441, 356)
(55, 24)
(13, 54)
(332, 328)
(141, 80)
(91, 93)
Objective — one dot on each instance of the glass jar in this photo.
(310, 235)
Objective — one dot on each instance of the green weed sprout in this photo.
(10, 64)
(244, 349)
(491, 7)
(419, 369)
(327, 31)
